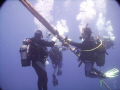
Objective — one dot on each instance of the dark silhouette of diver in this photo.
(2, 3)
(38, 55)
(88, 57)
(56, 57)
(0, 88)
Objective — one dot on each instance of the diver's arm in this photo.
(42, 42)
(78, 45)
(46, 43)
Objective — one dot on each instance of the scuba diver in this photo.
(38, 53)
(89, 53)
(56, 57)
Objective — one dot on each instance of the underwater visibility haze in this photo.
(69, 17)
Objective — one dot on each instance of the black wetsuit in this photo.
(86, 45)
(38, 53)
(55, 54)
(88, 57)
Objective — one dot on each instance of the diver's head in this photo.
(38, 34)
(86, 33)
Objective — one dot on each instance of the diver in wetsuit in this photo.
(88, 57)
(56, 59)
(38, 54)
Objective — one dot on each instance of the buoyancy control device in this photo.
(100, 58)
(99, 51)
(24, 52)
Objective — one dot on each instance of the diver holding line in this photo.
(89, 56)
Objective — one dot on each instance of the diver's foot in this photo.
(102, 76)
(55, 81)
(59, 73)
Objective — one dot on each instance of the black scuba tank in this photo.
(24, 52)
(100, 58)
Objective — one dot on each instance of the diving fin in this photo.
(55, 81)
(112, 73)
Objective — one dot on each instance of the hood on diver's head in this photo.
(86, 33)
(38, 34)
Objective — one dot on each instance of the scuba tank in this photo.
(100, 58)
(25, 56)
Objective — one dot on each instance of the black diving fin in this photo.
(55, 81)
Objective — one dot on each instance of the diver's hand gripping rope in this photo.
(44, 21)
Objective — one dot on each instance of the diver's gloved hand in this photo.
(65, 44)
(67, 40)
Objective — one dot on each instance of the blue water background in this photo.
(16, 24)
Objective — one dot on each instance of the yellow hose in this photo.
(95, 47)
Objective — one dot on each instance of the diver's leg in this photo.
(55, 81)
(99, 73)
(40, 84)
(40, 74)
(59, 68)
(45, 80)
(54, 68)
(88, 68)
(96, 71)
